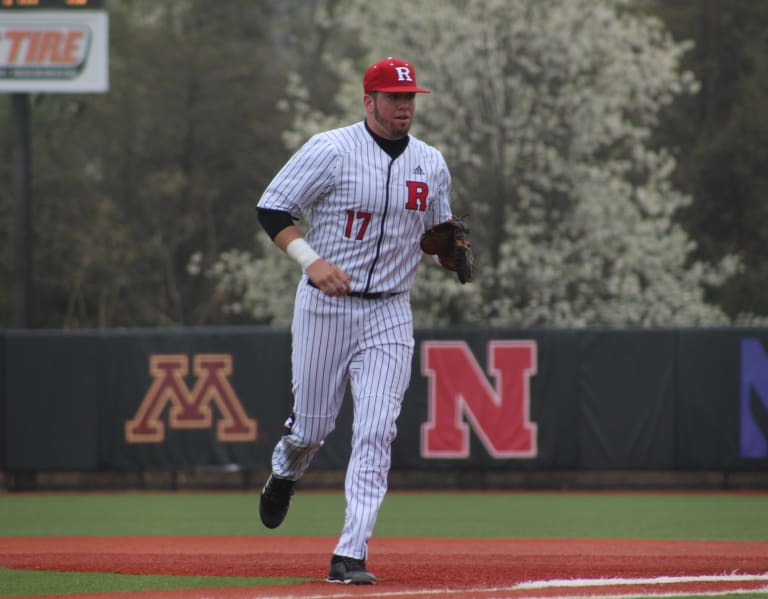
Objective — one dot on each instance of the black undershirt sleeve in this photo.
(274, 221)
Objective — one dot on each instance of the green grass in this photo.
(665, 515)
(696, 516)
(18, 583)
(578, 515)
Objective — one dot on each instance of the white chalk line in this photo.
(596, 582)
(571, 584)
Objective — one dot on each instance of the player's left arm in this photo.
(447, 239)
(439, 208)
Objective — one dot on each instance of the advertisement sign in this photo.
(480, 401)
(754, 399)
(54, 51)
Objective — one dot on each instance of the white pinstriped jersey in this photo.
(366, 210)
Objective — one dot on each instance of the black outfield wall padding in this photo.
(495, 400)
(626, 399)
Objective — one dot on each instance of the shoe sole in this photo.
(351, 581)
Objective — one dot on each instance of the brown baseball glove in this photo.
(448, 241)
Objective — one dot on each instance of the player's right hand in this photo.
(329, 278)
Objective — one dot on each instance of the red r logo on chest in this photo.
(418, 192)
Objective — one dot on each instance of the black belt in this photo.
(363, 295)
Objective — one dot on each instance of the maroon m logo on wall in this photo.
(190, 408)
(459, 391)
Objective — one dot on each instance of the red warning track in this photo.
(434, 567)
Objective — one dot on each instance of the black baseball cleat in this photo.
(349, 570)
(274, 501)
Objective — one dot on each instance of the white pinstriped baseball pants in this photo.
(368, 343)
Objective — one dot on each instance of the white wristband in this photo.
(302, 252)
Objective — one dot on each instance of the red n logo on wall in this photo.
(190, 409)
(459, 389)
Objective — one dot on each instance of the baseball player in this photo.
(371, 190)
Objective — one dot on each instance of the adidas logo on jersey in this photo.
(418, 171)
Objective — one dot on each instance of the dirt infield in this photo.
(406, 567)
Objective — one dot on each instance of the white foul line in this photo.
(597, 582)
(572, 584)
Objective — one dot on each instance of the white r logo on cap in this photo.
(403, 74)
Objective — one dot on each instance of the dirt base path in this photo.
(413, 566)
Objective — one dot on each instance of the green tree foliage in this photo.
(720, 138)
(576, 134)
(128, 185)
(545, 113)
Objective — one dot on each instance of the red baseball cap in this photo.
(391, 75)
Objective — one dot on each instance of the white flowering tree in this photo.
(544, 111)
